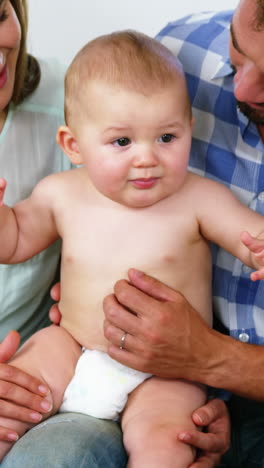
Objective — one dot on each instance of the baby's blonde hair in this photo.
(125, 59)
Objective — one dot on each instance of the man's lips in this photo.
(144, 183)
(256, 105)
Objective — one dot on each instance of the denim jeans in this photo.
(74, 440)
(69, 440)
(247, 439)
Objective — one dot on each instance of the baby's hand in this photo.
(2, 190)
(256, 247)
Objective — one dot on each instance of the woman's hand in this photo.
(215, 442)
(21, 395)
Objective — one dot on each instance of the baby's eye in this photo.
(124, 141)
(166, 138)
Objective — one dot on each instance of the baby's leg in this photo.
(155, 413)
(51, 355)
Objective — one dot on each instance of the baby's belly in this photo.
(90, 335)
(82, 302)
(84, 319)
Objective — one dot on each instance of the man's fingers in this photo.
(151, 286)
(206, 461)
(216, 441)
(125, 357)
(118, 318)
(205, 442)
(55, 292)
(212, 411)
(9, 346)
(54, 314)
(141, 302)
(133, 299)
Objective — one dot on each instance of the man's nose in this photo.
(249, 83)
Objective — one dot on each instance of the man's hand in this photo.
(165, 335)
(21, 395)
(168, 338)
(213, 443)
(54, 313)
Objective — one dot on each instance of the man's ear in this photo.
(68, 144)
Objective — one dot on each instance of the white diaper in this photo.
(100, 386)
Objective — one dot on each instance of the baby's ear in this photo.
(68, 144)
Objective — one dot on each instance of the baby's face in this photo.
(135, 147)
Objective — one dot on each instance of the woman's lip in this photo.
(2, 58)
(3, 77)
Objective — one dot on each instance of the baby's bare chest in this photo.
(104, 241)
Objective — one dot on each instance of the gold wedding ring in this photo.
(122, 341)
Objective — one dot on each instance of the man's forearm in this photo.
(232, 365)
(167, 337)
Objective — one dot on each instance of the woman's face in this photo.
(10, 34)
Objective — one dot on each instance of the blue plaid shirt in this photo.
(227, 148)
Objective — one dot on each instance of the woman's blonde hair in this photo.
(27, 68)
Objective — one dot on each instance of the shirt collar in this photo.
(223, 68)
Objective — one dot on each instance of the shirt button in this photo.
(261, 196)
(246, 269)
(244, 337)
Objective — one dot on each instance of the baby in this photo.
(132, 202)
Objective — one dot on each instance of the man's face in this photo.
(247, 57)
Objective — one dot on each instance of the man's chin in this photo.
(254, 115)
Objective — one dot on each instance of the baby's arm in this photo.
(256, 248)
(29, 226)
(224, 220)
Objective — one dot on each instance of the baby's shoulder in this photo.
(60, 183)
(197, 183)
(194, 185)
